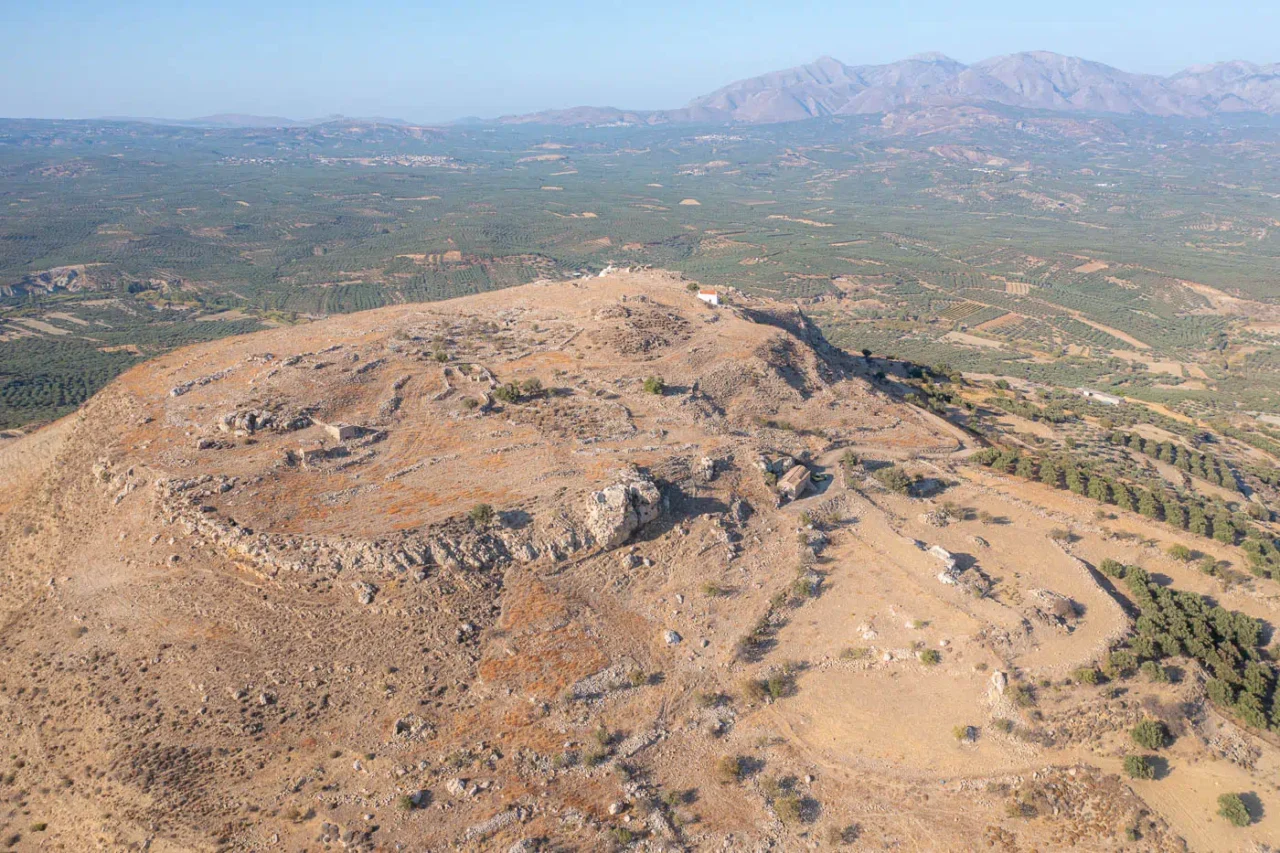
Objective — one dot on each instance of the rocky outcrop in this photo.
(251, 420)
(615, 513)
(72, 279)
(456, 545)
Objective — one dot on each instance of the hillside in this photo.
(524, 570)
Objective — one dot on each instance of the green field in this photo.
(1057, 242)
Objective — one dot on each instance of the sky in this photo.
(433, 62)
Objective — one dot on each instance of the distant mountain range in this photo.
(1033, 80)
(230, 120)
(1037, 80)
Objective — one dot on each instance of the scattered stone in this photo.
(999, 683)
(936, 518)
(670, 637)
(365, 591)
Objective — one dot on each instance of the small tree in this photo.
(894, 479)
(654, 385)
(1149, 734)
(1139, 767)
(509, 393)
(1232, 808)
(1154, 672)
(1111, 568)
(1147, 504)
(481, 515)
(1100, 489)
(1088, 675)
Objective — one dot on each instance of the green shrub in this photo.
(1022, 694)
(780, 685)
(654, 385)
(481, 514)
(930, 657)
(1231, 807)
(789, 807)
(1087, 675)
(1120, 664)
(1179, 552)
(804, 586)
(1150, 734)
(508, 393)
(1111, 568)
(1154, 672)
(754, 690)
(1139, 767)
(894, 479)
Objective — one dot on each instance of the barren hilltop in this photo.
(579, 565)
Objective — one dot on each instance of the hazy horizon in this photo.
(299, 61)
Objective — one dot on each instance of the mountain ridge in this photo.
(1029, 79)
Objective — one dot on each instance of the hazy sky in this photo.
(434, 62)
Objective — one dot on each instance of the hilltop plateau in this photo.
(594, 564)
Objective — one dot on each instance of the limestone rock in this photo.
(618, 511)
(999, 683)
(365, 591)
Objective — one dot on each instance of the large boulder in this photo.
(618, 511)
